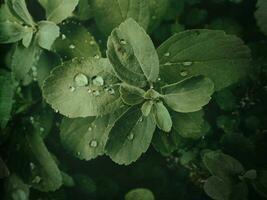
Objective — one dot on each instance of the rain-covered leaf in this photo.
(7, 89)
(222, 58)
(86, 138)
(261, 15)
(19, 9)
(11, 32)
(190, 125)
(132, 54)
(58, 10)
(131, 95)
(110, 15)
(82, 87)
(47, 34)
(162, 117)
(23, 59)
(189, 95)
(139, 194)
(222, 165)
(34, 163)
(75, 41)
(130, 137)
(217, 188)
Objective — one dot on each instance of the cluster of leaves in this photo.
(144, 81)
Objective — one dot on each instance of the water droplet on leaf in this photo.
(183, 73)
(167, 54)
(122, 41)
(63, 36)
(98, 81)
(97, 56)
(72, 89)
(81, 80)
(36, 179)
(188, 63)
(96, 93)
(93, 143)
(90, 128)
(72, 46)
(130, 136)
(32, 166)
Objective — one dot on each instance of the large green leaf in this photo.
(222, 165)
(58, 10)
(84, 10)
(109, 15)
(132, 54)
(189, 95)
(139, 194)
(19, 9)
(222, 58)
(33, 162)
(261, 15)
(130, 137)
(75, 41)
(82, 87)
(47, 34)
(23, 59)
(162, 117)
(86, 138)
(7, 89)
(131, 95)
(217, 189)
(190, 125)
(11, 32)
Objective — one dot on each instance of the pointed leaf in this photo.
(112, 14)
(27, 39)
(162, 117)
(131, 95)
(132, 54)
(189, 95)
(217, 189)
(47, 34)
(72, 91)
(147, 107)
(75, 41)
(130, 137)
(222, 58)
(58, 10)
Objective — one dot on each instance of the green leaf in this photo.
(217, 188)
(139, 194)
(19, 9)
(162, 117)
(23, 59)
(261, 15)
(222, 58)
(250, 174)
(47, 34)
(189, 95)
(86, 138)
(130, 137)
(75, 41)
(7, 89)
(27, 39)
(147, 107)
(72, 91)
(226, 100)
(166, 143)
(58, 10)
(190, 125)
(85, 184)
(112, 14)
(11, 32)
(16, 189)
(84, 10)
(260, 184)
(132, 54)
(131, 95)
(33, 162)
(157, 10)
(6, 15)
(4, 172)
(222, 165)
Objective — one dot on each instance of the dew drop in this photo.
(122, 41)
(130, 136)
(97, 56)
(188, 63)
(32, 119)
(36, 179)
(92, 42)
(72, 46)
(89, 91)
(111, 91)
(168, 63)
(72, 89)
(93, 143)
(159, 79)
(63, 36)
(32, 166)
(81, 80)
(42, 129)
(96, 93)
(183, 73)
(90, 128)
(167, 54)
(98, 81)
